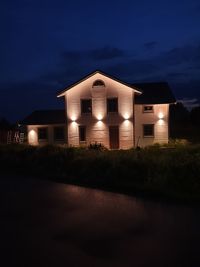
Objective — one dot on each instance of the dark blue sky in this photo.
(45, 45)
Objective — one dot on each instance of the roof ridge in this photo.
(61, 93)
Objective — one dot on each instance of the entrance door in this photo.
(114, 137)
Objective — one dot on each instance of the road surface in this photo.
(50, 224)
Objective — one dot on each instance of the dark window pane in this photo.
(112, 105)
(148, 109)
(148, 130)
(59, 133)
(42, 133)
(86, 106)
(98, 83)
(82, 133)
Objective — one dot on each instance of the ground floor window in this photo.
(43, 133)
(82, 133)
(148, 130)
(59, 133)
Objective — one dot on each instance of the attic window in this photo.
(98, 83)
(148, 109)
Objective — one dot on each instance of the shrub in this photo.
(97, 146)
(173, 172)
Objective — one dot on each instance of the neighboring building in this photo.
(103, 109)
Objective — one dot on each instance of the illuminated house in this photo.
(103, 109)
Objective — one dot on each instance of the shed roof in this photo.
(42, 117)
(154, 93)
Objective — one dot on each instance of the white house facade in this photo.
(104, 110)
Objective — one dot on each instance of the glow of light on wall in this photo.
(161, 122)
(32, 135)
(127, 123)
(160, 115)
(73, 124)
(100, 124)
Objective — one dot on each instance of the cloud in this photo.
(179, 63)
(176, 75)
(150, 45)
(72, 56)
(189, 103)
(133, 69)
(168, 66)
(27, 97)
(74, 64)
(178, 66)
(106, 53)
(189, 54)
(101, 54)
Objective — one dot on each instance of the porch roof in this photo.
(154, 93)
(43, 117)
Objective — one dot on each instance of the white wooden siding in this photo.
(160, 125)
(97, 124)
(33, 134)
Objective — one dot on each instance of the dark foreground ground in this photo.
(50, 224)
(171, 172)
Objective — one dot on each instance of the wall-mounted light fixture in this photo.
(99, 117)
(126, 116)
(160, 116)
(73, 118)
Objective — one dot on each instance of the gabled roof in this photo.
(154, 93)
(93, 73)
(42, 117)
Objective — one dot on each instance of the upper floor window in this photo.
(148, 109)
(42, 133)
(86, 106)
(148, 130)
(98, 83)
(59, 133)
(112, 104)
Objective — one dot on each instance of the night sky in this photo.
(46, 45)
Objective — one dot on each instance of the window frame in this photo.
(54, 137)
(112, 98)
(153, 130)
(98, 85)
(86, 99)
(80, 127)
(47, 134)
(148, 111)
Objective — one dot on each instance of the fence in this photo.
(11, 137)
